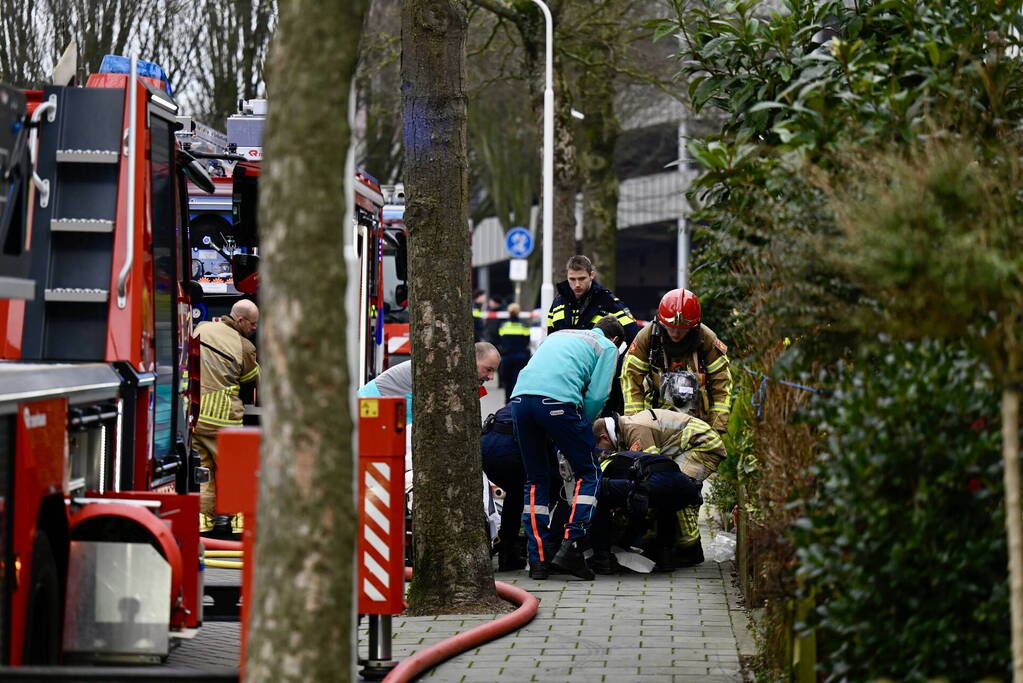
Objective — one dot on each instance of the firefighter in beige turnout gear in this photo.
(688, 440)
(677, 341)
(228, 360)
(674, 345)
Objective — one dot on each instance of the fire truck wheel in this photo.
(42, 625)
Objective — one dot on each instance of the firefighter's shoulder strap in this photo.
(654, 464)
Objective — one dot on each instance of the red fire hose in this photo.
(220, 544)
(416, 664)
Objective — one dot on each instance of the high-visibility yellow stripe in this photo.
(710, 439)
(555, 317)
(717, 364)
(634, 361)
(559, 307)
(250, 375)
(513, 329)
(652, 449)
(216, 422)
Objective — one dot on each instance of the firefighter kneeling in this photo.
(689, 442)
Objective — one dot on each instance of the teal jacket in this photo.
(574, 366)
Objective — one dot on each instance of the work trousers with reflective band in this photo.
(537, 419)
(689, 526)
(204, 440)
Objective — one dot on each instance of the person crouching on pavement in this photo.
(502, 463)
(557, 397)
(636, 484)
(688, 440)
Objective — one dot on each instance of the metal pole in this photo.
(547, 286)
(379, 657)
(683, 229)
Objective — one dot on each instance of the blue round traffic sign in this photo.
(518, 242)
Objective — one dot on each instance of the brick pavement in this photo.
(634, 627)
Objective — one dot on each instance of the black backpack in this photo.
(500, 422)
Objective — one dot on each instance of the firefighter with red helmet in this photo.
(676, 342)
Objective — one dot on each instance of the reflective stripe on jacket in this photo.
(641, 380)
(688, 440)
(569, 313)
(228, 360)
(513, 338)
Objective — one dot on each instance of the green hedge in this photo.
(903, 543)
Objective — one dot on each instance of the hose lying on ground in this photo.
(220, 544)
(224, 564)
(415, 664)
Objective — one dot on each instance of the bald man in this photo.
(228, 360)
(397, 380)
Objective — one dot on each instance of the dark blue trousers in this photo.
(537, 419)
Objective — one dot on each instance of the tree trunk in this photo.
(452, 559)
(301, 626)
(1013, 526)
(599, 132)
(566, 174)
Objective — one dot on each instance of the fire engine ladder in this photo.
(73, 235)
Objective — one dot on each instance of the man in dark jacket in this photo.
(502, 463)
(513, 342)
(582, 301)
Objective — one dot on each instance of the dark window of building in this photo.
(645, 151)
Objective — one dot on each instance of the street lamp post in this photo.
(547, 288)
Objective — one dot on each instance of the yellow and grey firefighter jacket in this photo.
(228, 361)
(687, 440)
(652, 353)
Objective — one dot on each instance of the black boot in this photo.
(604, 562)
(508, 557)
(570, 558)
(221, 527)
(689, 556)
(540, 571)
(665, 563)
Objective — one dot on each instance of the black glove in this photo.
(638, 502)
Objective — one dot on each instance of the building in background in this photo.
(651, 207)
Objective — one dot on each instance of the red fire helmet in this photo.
(679, 310)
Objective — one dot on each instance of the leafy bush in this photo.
(741, 461)
(903, 545)
(800, 83)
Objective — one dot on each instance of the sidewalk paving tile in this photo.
(672, 628)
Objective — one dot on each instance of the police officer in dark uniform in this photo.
(502, 463)
(513, 342)
(582, 301)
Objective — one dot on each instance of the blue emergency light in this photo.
(116, 64)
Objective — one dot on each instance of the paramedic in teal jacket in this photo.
(557, 397)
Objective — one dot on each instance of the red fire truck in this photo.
(99, 549)
(373, 243)
(394, 275)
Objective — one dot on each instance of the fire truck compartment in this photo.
(117, 608)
